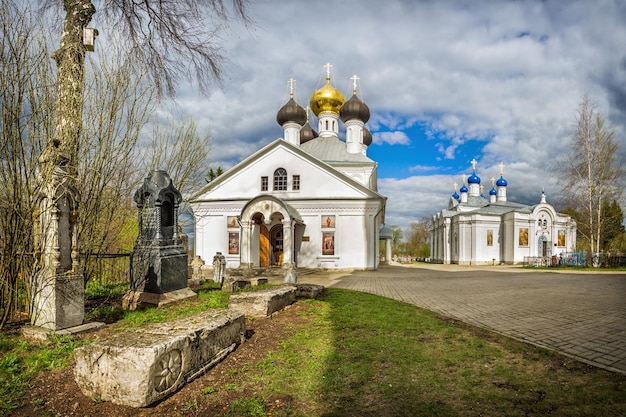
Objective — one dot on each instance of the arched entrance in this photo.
(268, 233)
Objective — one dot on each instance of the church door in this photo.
(276, 236)
(264, 246)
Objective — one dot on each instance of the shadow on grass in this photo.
(364, 355)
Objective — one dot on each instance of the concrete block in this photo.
(139, 367)
(264, 302)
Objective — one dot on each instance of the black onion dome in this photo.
(354, 109)
(307, 133)
(291, 112)
(367, 137)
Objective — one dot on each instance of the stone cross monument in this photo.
(159, 260)
(58, 300)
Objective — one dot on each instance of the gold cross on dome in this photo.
(291, 82)
(354, 79)
(328, 66)
(501, 168)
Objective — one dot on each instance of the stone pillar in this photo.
(219, 268)
(58, 300)
(245, 260)
(287, 243)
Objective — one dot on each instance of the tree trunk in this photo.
(70, 59)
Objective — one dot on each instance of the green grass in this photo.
(21, 360)
(368, 356)
(102, 290)
(355, 354)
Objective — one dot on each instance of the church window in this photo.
(295, 183)
(280, 180)
(264, 183)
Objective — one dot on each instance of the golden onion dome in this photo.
(327, 98)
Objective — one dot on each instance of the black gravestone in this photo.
(159, 270)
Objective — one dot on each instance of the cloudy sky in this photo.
(445, 81)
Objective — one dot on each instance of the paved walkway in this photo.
(582, 315)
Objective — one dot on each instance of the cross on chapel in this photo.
(328, 66)
(291, 82)
(354, 79)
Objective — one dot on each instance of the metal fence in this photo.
(106, 268)
(578, 258)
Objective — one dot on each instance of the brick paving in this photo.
(581, 315)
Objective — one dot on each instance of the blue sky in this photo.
(446, 82)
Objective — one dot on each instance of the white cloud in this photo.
(505, 78)
(392, 138)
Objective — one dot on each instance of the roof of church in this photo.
(498, 208)
(331, 149)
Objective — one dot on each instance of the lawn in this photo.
(355, 354)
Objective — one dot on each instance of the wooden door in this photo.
(264, 246)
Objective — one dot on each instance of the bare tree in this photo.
(591, 171)
(417, 238)
(26, 106)
(167, 40)
(181, 150)
(118, 105)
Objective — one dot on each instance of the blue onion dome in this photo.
(291, 112)
(501, 182)
(464, 188)
(367, 137)
(456, 196)
(473, 179)
(307, 133)
(493, 191)
(354, 109)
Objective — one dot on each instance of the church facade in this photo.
(479, 230)
(307, 199)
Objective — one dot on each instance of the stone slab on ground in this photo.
(140, 300)
(42, 333)
(264, 302)
(308, 290)
(139, 367)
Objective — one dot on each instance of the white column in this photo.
(287, 243)
(388, 250)
(245, 249)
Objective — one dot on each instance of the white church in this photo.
(479, 230)
(306, 200)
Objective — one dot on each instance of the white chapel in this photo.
(305, 200)
(476, 230)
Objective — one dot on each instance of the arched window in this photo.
(280, 179)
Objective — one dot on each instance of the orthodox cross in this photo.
(474, 164)
(291, 83)
(455, 185)
(501, 169)
(464, 177)
(493, 181)
(327, 66)
(354, 80)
